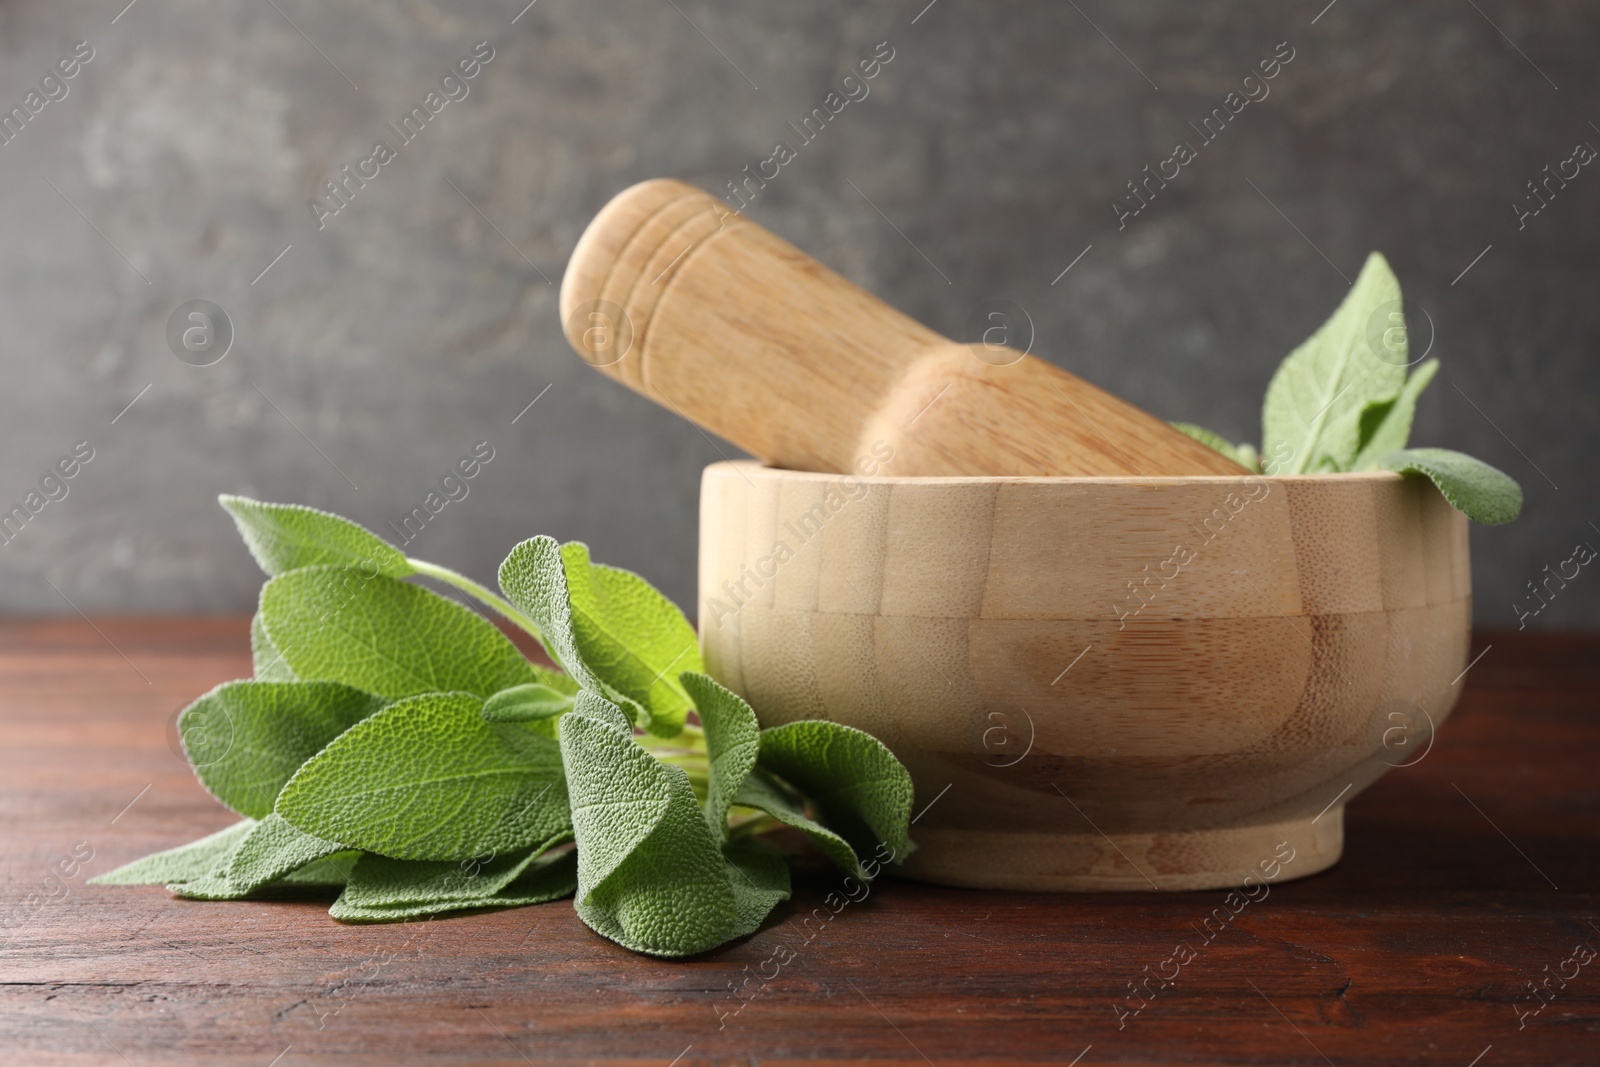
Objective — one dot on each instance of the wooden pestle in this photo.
(733, 328)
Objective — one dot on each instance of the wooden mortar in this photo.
(1110, 657)
(1098, 683)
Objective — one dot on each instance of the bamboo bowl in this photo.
(1099, 683)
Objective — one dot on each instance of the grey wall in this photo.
(381, 348)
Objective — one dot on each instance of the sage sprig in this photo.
(395, 744)
(1343, 401)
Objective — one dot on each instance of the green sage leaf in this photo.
(427, 778)
(532, 702)
(632, 637)
(760, 879)
(383, 882)
(534, 578)
(284, 537)
(197, 859)
(246, 739)
(324, 873)
(858, 787)
(651, 876)
(272, 850)
(550, 877)
(761, 792)
(266, 661)
(732, 739)
(386, 636)
(1316, 399)
(1484, 493)
(1386, 424)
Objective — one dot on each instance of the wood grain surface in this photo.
(1465, 876)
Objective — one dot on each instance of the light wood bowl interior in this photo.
(1099, 683)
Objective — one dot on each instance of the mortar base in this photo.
(1138, 862)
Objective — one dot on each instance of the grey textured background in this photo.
(409, 329)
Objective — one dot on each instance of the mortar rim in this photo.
(1138, 481)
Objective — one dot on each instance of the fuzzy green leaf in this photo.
(632, 637)
(284, 537)
(534, 578)
(382, 882)
(1484, 493)
(759, 876)
(532, 702)
(550, 877)
(764, 794)
(427, 778)
(315, 878)
(197, 859)
(386, 636)
(1243, 454)
(671, 896)
(618, 797)
(331, 871)
(650, 874)
(245, 739)
(1315, 401)
(732, 739)
(209, 887)
(266, 661)
(272, 850)
(858, 787)
(1386, 424)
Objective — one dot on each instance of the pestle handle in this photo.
(735, 329)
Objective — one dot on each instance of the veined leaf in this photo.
(1386, 424)
(386, 636)
(1315, 401)
(764, 794)
(329, 872)
(1484, 493)
(549, 877)
(427, 778)
(732, 739)
(534, 578)
(272, 850)
(759, 876)
(197, 859)
(382, 882)
(617, 797)
(859, 788)
(533, 702)
(283, 537)
(246, 739)
(632, 637)
(272, 854)
(650, 874)
(266, 661)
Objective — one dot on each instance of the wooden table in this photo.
(1465, 876)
